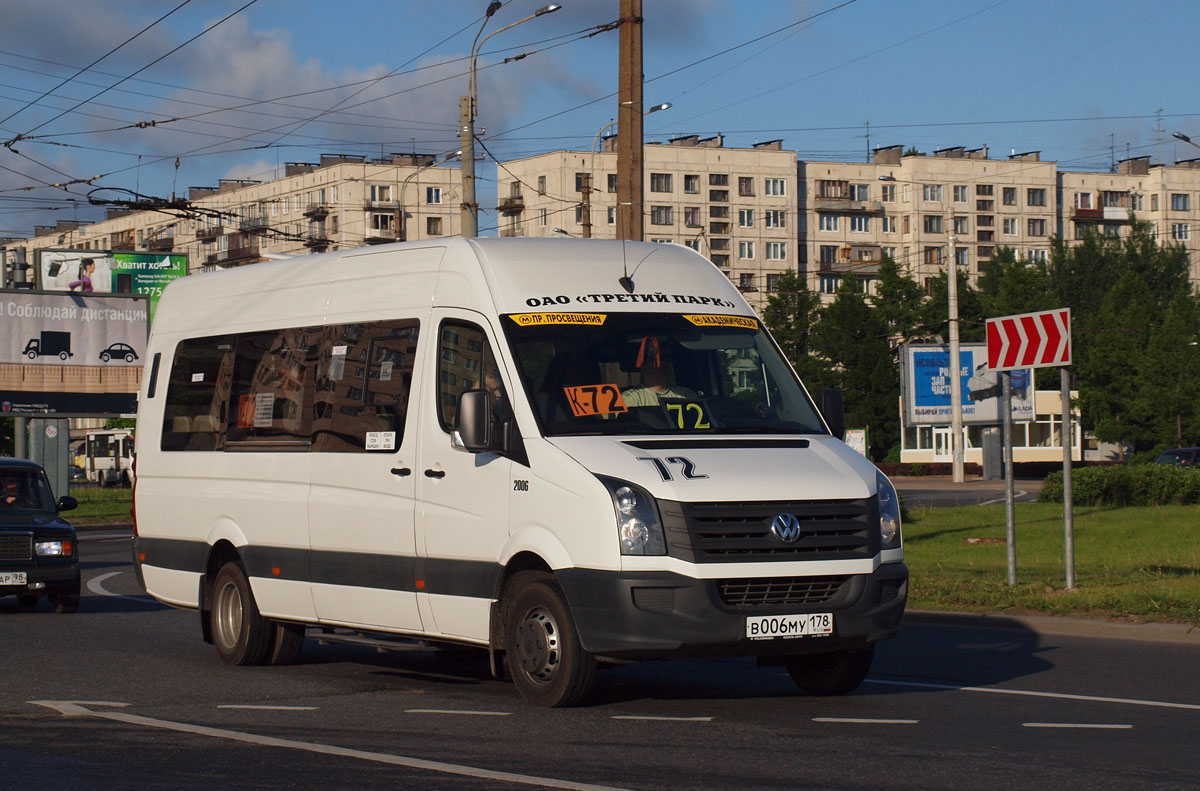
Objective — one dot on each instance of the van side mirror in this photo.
(473, 421)
(829, 401)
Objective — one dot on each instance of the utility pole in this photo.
(956, 424)
(585, 219)
(466, 121)
(630, 177)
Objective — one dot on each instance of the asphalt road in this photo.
(939, 491)
(124, 694)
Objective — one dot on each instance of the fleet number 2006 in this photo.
(767, 627)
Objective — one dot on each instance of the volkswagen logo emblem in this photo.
(786, 527)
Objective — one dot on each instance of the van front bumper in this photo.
(650, 615)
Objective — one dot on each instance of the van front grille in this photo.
(779, 591)
(16, 547)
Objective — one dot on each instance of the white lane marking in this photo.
(1030, 693)
(1086, 725)
(660, 719)
(269, 708)
(865, 721)
(75, 709)
(460, 711)
(96, 586)
(1017, 495)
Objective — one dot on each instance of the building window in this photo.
(1083, 200)
(960, 224)
(691, 216)
(888, 193)
(719, 212)
(933, 223)
(691, 184)
(983, 189)
(746, 218)
(773, 282)
(1010, 196)
(1181, 231)
(380, 193)
(433, 226)
(660, 182)
(1112, 230)
(1036, 256)
(746, 281)
(612, 215)
(1037, 227)
(542, 218)
(828, 253)
(776, 251)
(889, 224)
(775, 218)
(718, 179)
(612, 182)
(985, 253)
(1136, 202)
(381, 222)
(830, 283)
(933, 256)
(889, 252)
(718, 196)
(433, 194)
(660, 215)
(960, 193)
(1179, 201)
(746, 251)
(860, 192)
(693, 243)
(1010, 226)
(746, 186)
(960, 256)
(541, 189)
(827, 222)
(860, 223)
(931, 192)
(985, 205)
(777, 187)
(579, 214)
(1035, 197)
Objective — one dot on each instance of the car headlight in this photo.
(52, 549)
(639, 529)
(889, 512)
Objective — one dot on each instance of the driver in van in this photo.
(658, 383)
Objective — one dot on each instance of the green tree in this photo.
(900, 301)
(791, 312)
(1008, 286)
(935, 313)
(1171, 369)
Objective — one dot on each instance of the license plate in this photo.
(770, 627)
(12, 578)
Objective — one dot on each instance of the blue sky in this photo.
(1082, 82)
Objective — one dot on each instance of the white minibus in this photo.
(566, 452)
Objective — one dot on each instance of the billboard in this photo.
(70, 353)
(925, 383)
(100, 272)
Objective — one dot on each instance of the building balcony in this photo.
(1087, 214)
(252, 223)
(235, 256)
(1117, 214)
(514, 204)
(208, 233)
(316, 212)
(381, 236)
(318, 243)
(848, 205)
(855, 258)
(164, 243)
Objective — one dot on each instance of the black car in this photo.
(39, 551)
(119, 351)
(1180, 457)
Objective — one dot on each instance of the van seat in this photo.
(181, 424)
(204, 424)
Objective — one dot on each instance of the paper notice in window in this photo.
(264, 409)
(385, 371)
(381, 440)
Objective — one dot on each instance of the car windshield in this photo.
(655, 373)
(26, 490)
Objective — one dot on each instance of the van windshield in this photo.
(656, 373)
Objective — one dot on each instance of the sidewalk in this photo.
(1061, 626)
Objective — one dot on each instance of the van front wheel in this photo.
(548, 665)
(835, 673)
(242, 636)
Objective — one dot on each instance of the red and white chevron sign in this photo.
(1029, 340)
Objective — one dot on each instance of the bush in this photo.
(1140, 484)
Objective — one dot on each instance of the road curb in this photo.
(1182, 633)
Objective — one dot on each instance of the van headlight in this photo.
(639, 530)
(889, 512)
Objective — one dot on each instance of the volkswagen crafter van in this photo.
(563, 451)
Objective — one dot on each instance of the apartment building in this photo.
(918, 208)
(737, 206)
(337, 203)
(1167, 197)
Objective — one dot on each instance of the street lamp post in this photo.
(470, 208)
(587, 188)
(402, 225)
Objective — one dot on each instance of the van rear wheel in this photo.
(242, 636)
(835, 673)
(548, 665)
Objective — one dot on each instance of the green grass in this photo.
(100, 505)
(1140, 563)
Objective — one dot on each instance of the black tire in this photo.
(286, 645)
(31, 355)
(27, 601)
(104, 357)
(548, 665)
(129, 357)
(67, 601)
(240, 633)
(63, 355)
(835, 673)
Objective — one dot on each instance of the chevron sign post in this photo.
(1029, 340)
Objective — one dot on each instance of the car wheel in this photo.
(242, 636)
(104, 357)
(31, 355)
(129, 357)
(286, 645)
(835, 673)
(63, 355)
(66, 601)
(548, 665)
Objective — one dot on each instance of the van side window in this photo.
(272, 388)
(195, 409)
(465, 362)
(364, 376)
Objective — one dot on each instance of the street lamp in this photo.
(470, 209)
(587, 188)
(1185, 138)
(564, 232)
(956, 424)
(402, 230)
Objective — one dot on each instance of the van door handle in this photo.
(435, 473)
(402, 472)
